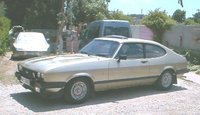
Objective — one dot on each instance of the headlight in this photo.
(34, 75)
(39, 75)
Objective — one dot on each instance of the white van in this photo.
(100, 28)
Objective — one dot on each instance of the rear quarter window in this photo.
(153, 51)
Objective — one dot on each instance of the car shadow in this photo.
(37, 103)
(18, 58)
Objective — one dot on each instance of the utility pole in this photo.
(180, 2)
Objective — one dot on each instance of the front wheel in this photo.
(166, 80)
(77, 91)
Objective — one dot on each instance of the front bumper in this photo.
(47, 89)
(29, 54)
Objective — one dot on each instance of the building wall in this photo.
(141, 31)
(179, 36)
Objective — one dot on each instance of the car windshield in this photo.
(30, 38)
(109, 30)
(101, 48)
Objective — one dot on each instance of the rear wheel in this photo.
(77, 91)
(166, 80)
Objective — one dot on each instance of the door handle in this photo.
(144, 61)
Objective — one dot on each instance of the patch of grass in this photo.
(192, 67)
(193, 56)
(195, 68)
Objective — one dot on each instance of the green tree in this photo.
(16, 10)
(2, 9)
(158, 22)
(179, 16)
(118, 15)
(190, 22)
(89, 10)
(43, 14)
(4, 28)
(196, 16)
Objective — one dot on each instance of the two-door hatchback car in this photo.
(105, 63)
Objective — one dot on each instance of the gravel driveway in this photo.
(183, 98)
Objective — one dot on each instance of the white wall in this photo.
(179, 36)
(182, 36)
(141, 31)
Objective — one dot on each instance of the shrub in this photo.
(192, 56)
(4, 28)
(158, 22)
(190, 22)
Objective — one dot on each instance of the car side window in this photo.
(153, 51)
(132, 50)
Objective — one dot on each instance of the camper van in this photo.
(100, 28)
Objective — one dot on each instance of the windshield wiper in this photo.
(83, 52)
(101, 55)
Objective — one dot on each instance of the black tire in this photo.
(165, 81)
(77, 91)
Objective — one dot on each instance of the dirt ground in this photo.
(7, 69)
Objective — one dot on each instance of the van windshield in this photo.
(110, 30)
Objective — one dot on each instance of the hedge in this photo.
(4, 28)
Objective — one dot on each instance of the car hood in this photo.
(60, 63)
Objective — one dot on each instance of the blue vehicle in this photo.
(100, 28)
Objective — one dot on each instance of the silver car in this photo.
(29, 44)
(103, 64)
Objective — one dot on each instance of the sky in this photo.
(144, 6)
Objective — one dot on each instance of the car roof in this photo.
(127, 40)
(132, 40)
(31, 33)
(111, 21)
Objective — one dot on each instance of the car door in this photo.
(132, 70)
(156, 56)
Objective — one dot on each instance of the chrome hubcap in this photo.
(166, 80)
(79, 90)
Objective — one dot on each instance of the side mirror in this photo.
(122, 57)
